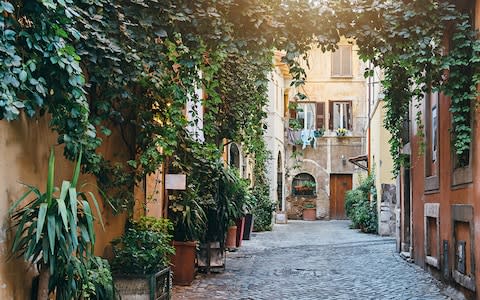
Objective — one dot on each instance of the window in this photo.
(306, 115)
(340, 115)
(431, 141)
(304, 185)
(342, 62)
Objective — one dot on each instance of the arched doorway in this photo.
(234, 156)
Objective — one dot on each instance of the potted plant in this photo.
(319, 132)
(341, 132)
(309, 212)
(141, 259)
(225, 208)
(245, 201)
(188, 220)
(305, 188)
(54, 230)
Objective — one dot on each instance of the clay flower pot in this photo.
(231, 240)
(240, 229)
(309, 214)
(183, 262)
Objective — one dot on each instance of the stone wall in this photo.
(330, 156)
(387, 217)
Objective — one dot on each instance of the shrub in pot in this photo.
(54, 230)
(188, 222)
(141, 259)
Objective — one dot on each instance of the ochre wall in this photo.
(447, 195)
(24, 149)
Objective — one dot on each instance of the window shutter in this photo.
(320, 115)
(330, 114)
(346, 60)
(349, 116)
(336, 65)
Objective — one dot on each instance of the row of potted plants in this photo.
(55, 230)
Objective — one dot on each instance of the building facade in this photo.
(324, 130)
(380, 163)
(440, 212)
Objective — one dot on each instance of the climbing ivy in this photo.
(130, 66)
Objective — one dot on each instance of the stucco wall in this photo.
(331, 153)
(24, 148)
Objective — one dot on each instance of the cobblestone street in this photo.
(315, 260)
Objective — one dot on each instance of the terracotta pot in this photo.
(240, 229)
(248, 228)
(231, 240)
(309, 214)
(183, 262)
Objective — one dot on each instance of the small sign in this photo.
(175, 181)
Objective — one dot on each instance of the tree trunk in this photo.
(42, 293)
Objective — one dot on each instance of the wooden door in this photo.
(339, 185)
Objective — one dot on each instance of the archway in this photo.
(234, 156)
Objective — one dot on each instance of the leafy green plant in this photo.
(55, 231)
(99, 283)
(144, 248)
(341, 131)
(358, 207)
(294, 124)
(263, 208)
(187, 215)
(309, 205)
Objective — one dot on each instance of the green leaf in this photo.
(7, 6)
(23, 76)
(89, 217)
(42, 212)
(51, 174)
(62, 210)
(18, 234)
(14, 206)
(95, 202)
(51, 231)
(76, 171)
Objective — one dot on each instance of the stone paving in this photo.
(315, 260)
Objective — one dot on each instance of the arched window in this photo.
(304, 185)
(234, 154)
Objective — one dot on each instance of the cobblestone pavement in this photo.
(315, 260)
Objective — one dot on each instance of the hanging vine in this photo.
(130, 66)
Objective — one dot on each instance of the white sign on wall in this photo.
(175, 181)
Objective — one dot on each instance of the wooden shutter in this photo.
(330, 115)
(346, 58)
(349, 116)
(320, 115)
(336, 63)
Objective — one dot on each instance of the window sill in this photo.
(461, 176)
(341, 77)
(432, 184)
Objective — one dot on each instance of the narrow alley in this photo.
(315, 260)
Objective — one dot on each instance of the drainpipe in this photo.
(368, 117)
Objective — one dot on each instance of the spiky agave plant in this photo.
(54, 230)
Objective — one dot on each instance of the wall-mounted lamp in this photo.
(344, 159)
